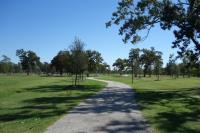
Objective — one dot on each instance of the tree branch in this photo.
(197, 44)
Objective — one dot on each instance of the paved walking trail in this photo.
(112, 110)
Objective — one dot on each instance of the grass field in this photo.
(29, 104)
(169, 105)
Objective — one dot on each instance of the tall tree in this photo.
(28, 59)
(134, 61)
(62, 62)
(181, 16)
(120, 64)
(94, 60)
(172, 67)
(78, 58)
(158, 64)
(147, 58)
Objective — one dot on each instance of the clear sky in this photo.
(47, 26)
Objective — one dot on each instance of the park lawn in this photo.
(29, 104)
(169, 105)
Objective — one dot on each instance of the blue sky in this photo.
(47, 26)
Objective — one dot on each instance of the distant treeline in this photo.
(77, 61)
(74, 61)
(142, 62)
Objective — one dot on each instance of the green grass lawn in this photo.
(169, 105)
(29, 104)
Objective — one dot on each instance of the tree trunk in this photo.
(88, 74)
(132, 75)
(144, 74)
(149, 73)
(28, 72)
(82, 76)
(75, 83)
(61, 72)
(135, 74)
(197, 44)
(120, 73)
(189, 73)
(158, 77)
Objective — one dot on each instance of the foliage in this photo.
(180, 16)
(46, 68)
(158, 62)
(62, 62)
(78, 58)
(150, 58)
(120, 64)
(104, 68)
(94, 60)
(29, 60)
(134, 61)
(5, 65)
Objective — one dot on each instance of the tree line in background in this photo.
(74, 61)
(149, 61)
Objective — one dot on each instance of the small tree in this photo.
(78, 58)
(134, 61)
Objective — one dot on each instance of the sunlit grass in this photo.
(29, 104)
(169, 105)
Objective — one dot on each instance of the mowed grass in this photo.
(169, 105)
(29, 104)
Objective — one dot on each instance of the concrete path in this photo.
(112, 110)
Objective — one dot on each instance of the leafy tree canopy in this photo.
(120, 64)
(62, 61)
(94, 60)
(29, 60)
(183, 16)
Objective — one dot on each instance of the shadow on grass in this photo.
(170, 120)
(107, 101)
(172, 110)
(50, 104)
(59, 88)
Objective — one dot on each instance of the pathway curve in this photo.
(112, 110)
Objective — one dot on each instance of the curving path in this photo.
(112, 110)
